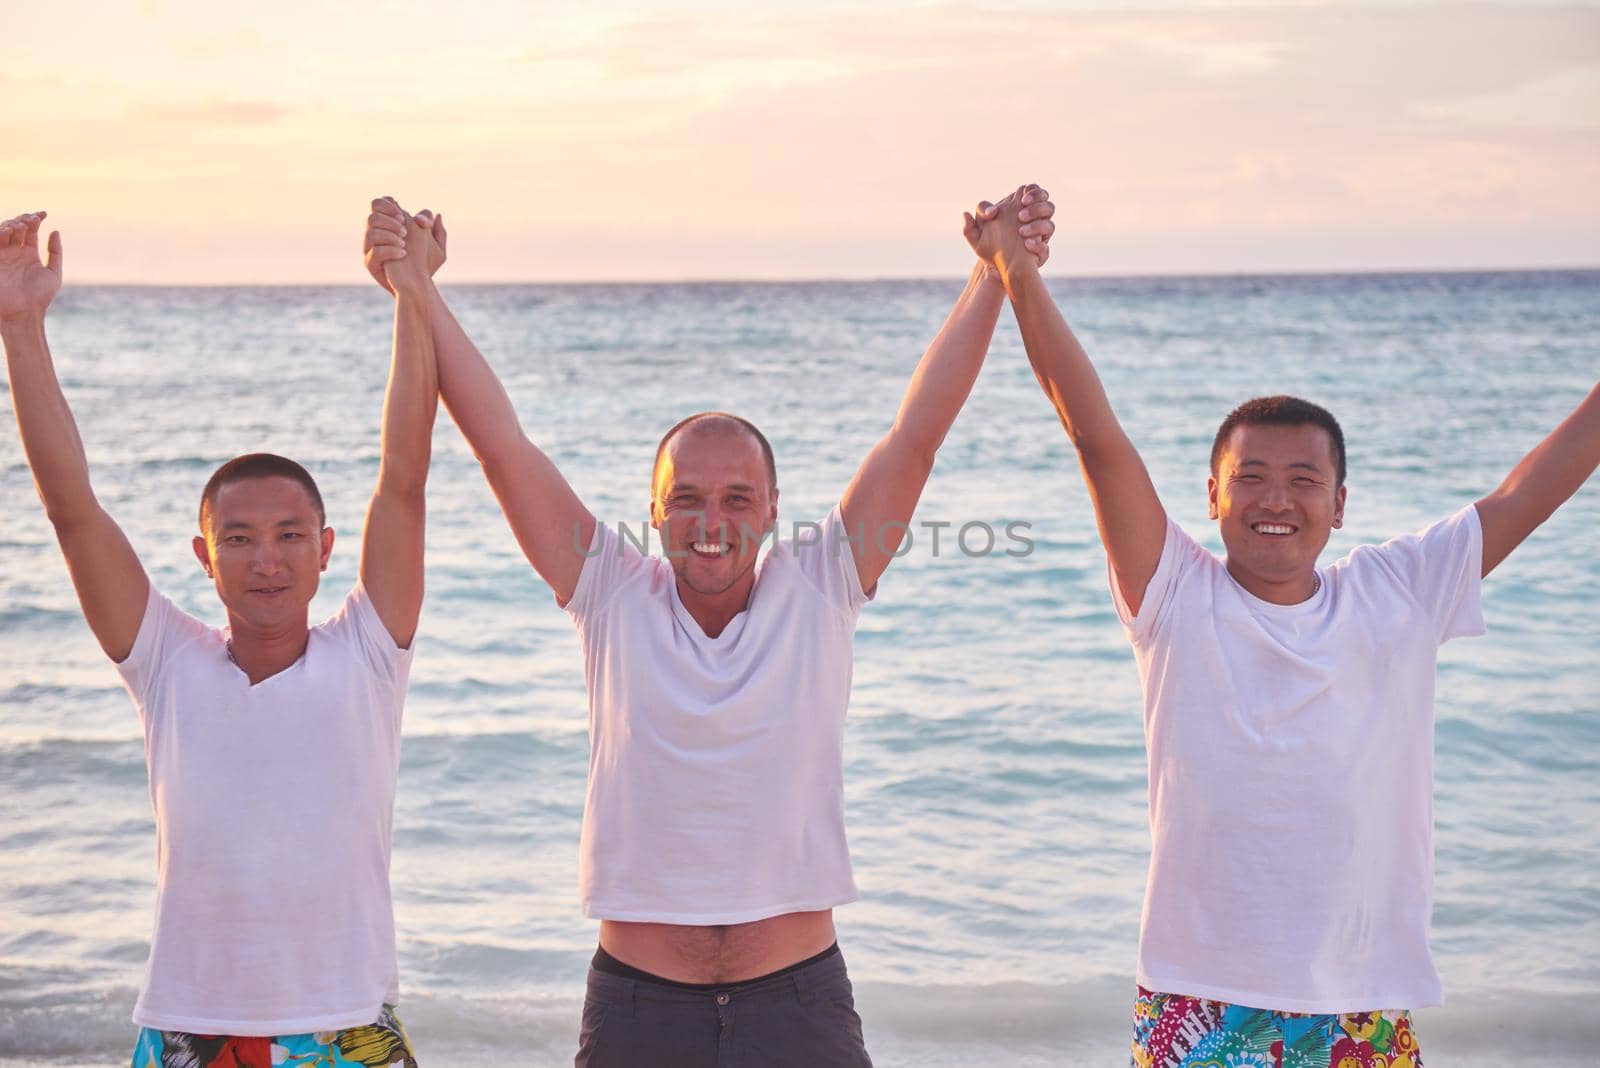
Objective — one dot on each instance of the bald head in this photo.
(710, 425)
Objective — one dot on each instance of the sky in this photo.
(180, 141)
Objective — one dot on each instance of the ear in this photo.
(202, 553)
(772, 519)
(1338, 507)
(1211, 498)
(657, 516)
(327, 546)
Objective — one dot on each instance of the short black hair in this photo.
(259, 465)
(1281, 410)
(723, 420)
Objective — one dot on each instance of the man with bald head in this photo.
(713, 846)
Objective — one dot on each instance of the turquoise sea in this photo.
(995, 767)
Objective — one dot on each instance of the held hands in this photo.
(27, 286)
(1013, 234)
(391, 233)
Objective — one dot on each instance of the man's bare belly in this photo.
(725, 954)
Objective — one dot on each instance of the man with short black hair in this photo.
(1283, 922)
(713, 848)
(273, 745)
(1280, 411)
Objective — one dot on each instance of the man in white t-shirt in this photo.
(272, 745)
(1285, 918)
(713, 848)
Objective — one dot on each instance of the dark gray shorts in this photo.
(802, 1019)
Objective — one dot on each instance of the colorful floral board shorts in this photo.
(1172, 1031)
(380, 1044)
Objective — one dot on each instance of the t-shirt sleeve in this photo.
(1442, 566)
(1179, 554)
(611, 561)
(825, 556)
(357, 623)
(162, 629)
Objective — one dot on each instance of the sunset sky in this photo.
(188, 141)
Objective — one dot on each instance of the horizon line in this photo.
(1297, 272)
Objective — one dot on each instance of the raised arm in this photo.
(111, 584)
(549, 521)
(392, 547)
(1541, 482)
(1132, 523)
(880, 499)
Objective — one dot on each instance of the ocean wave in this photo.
(950, 1026)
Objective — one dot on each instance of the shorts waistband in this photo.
(805, 980)
(605, 962)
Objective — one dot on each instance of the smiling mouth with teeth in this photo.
(708, 548)
(1278, 529)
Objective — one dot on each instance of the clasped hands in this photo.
(1011, 234)
(390, 233)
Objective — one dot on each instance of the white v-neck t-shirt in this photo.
(273, 809)
(716, 778)
(1291, 773)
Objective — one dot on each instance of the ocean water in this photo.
(995, 768)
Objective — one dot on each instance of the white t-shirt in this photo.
(716, 778)
(1291, 773)
(273, 807)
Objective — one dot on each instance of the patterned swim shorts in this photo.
(1173, 1031)
(381, 1044)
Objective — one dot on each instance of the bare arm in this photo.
(549, 521)
(1132, 523)
(881, 497)
(111, 583)
(392, 546)
(1541, 482)
(884, 492)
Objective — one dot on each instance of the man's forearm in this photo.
(948, 369)
(412, 398)
(1061, 365)
(1128, 511)
(49, 433)
(477, 400)
(1564, 460)
(1541, 482)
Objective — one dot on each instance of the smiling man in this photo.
(1277, 492)
(273, 745)
(713, 847)
(1285, 920)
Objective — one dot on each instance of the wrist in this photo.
(1014, 271)
(415, 290)
(22, 324)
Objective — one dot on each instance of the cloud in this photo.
(1566, 101)
(1214, 56)
(215, 112)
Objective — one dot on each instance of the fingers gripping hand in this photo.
(434, 224)
(1017, 226)
(385, 239)
(27, 285)
(1037, 222)
(410, 270)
